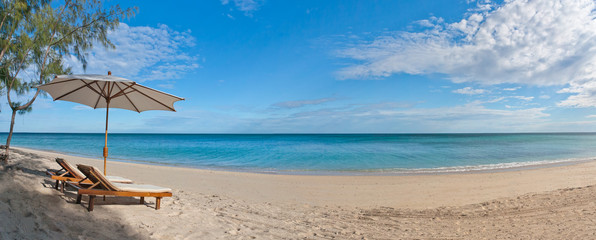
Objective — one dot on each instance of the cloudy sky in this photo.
(425, 66)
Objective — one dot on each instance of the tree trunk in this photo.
(14, 113)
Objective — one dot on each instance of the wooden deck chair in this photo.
(102, 186)
(70, 174)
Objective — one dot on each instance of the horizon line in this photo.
(307, 133)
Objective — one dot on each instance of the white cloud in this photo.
(523, 98)
(385, 118)
(532, 42)
(493, 100)
(506, 98)
(469, 91)
(511, 89)
(379, 117)
(246, 6)
(425, 23)
(585, 94)
(81, 107)
(302, 103)
(544, 97)
(142, 53)
(591, 116)
(166, 86)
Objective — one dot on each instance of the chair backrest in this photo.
(96, 176)
(69, 168)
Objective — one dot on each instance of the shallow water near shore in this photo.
(343, 154)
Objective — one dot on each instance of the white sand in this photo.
(541, 203)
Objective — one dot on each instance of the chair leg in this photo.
(142, 200)
(157, 202)
(63, 186)
(91, 202)
(79, 198)
(57, 182)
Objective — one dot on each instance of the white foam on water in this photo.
(488, 167)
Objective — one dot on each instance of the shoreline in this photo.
(544, 203)
(470, 169)
(412, 191)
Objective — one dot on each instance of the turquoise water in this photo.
(313, 153)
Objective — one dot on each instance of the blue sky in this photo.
(426, 66)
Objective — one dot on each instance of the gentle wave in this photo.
(351, 154)
(491, 167)
(440, 170)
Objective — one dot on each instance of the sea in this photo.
(341, 154)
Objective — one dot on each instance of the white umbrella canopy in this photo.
(107, 91)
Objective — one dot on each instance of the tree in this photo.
(39, 35)
(12, 15)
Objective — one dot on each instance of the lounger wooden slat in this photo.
(103, 187)
(70, 174)
(123, 194)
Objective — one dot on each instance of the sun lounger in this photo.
(102, 186)
(72, 174)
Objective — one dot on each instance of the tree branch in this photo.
(30, 102)
(14, 77)
(3, 19)
(8, 38)
(40, 70)
(76, 29)
(43, 63)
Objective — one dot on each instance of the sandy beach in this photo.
(552, 203)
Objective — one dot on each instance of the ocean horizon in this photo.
(344, 154)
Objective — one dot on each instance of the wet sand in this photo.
(555, 202)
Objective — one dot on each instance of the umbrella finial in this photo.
(109, 72)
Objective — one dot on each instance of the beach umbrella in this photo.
(107, 91)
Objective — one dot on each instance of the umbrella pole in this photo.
(105, 146)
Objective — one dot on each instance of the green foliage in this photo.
(16, 105)
(36, 35)
(15, 17)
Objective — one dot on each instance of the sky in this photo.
(308, 66)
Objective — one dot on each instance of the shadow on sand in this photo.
(30, 207)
